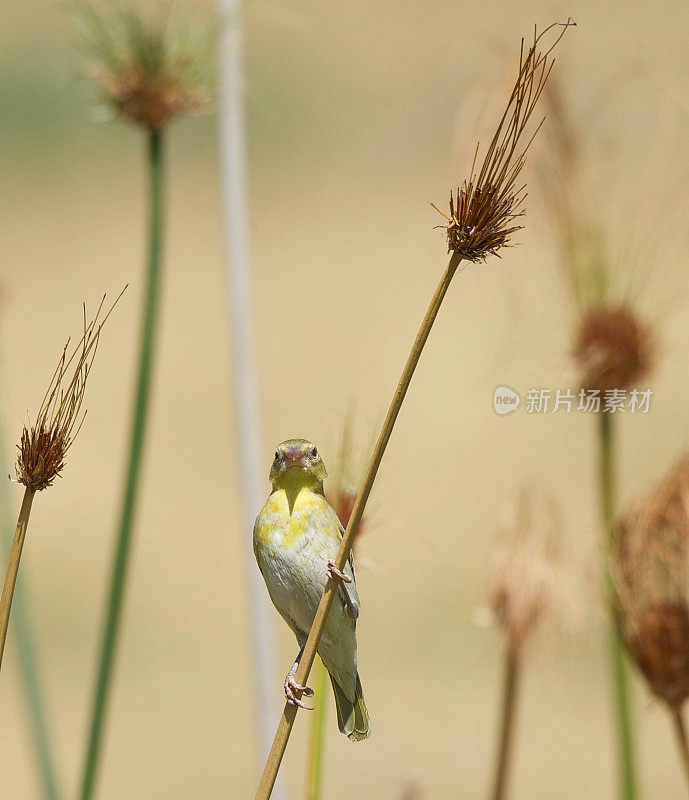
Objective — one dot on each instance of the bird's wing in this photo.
(350, 559)
(257, 551)
(349, 571)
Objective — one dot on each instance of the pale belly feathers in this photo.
(292, 549)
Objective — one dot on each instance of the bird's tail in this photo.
(352, 717)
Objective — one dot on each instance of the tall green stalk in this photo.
(33, 689)
(314, 775)
(137, 437)
(628, 784)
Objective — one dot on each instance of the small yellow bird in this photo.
(296, 539)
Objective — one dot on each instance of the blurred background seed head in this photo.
(652, 565)
(528, 580)
(613, 350)
(611, 250)
(148, 69)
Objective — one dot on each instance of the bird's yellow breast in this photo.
(283, 523)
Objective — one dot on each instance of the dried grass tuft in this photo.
(45, 443)
(485, 209)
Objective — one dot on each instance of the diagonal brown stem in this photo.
(289, 713)
(682, 743)
(13, 566)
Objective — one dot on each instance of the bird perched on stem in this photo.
(296, 539)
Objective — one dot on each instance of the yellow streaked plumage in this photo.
(295, 536)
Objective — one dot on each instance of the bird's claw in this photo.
(291, 686)
(336, 574)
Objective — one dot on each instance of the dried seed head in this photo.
(44, 445)
(148, 73)
(484, 211)
(652, 576)
(526, 580)
(614, 348)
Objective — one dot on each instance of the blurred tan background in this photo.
(355, 122)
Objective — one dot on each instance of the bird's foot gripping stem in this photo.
(337, 575)
(291, 687)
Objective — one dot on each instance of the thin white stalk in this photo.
(245, 385)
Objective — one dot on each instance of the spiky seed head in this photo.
(651, 569)
(41, 456)
(147, 72)
(526, 580)
(485, 211)
(44, 444)
(613, 349)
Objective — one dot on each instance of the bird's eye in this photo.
(277, 455)
(314, 453)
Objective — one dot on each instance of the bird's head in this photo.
(298, 462)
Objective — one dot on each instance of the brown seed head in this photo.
(614, 348)
(484, 211)
(148, 73)
(652, 573)
(526, 582)
(151, 101)
(44, 445)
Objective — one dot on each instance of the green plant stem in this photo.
(682, 743)
(33, 688)
(289, 713)
(628, 786)
(13, 566)
(314, 775)
(510, 689)
(138, 430)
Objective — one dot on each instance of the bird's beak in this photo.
(294, 456)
